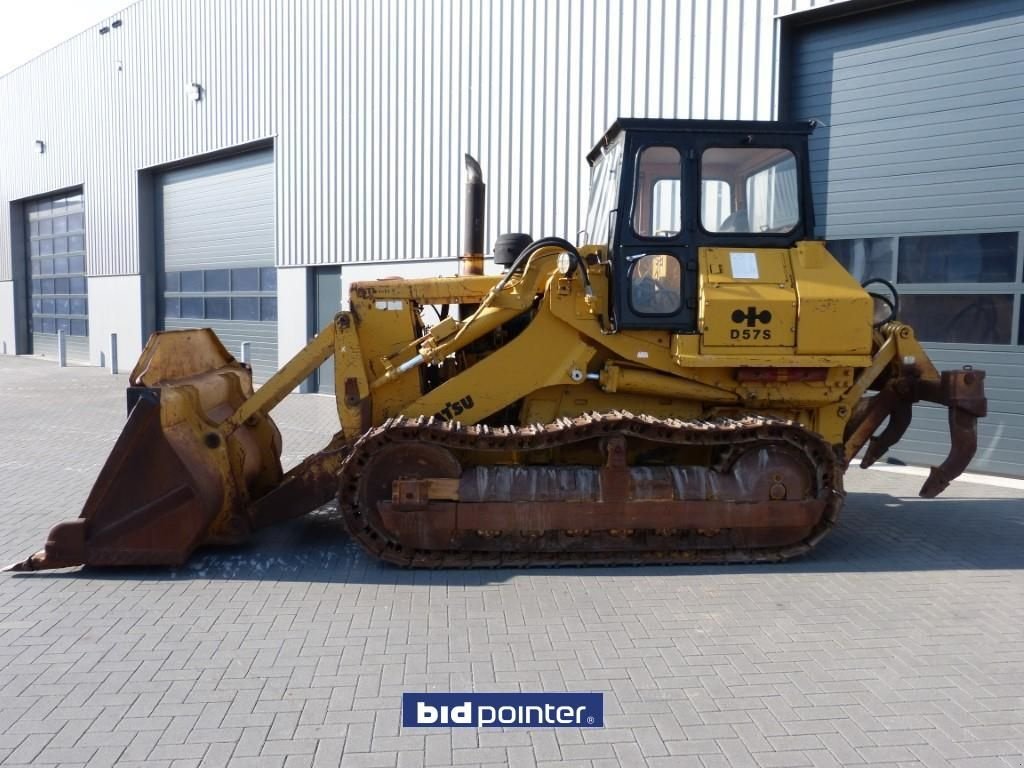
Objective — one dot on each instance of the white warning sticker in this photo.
(744, 265)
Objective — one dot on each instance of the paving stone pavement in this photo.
(899, 641)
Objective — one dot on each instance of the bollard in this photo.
(62, 350)
(5, 347)
(113, 354)
(245, 351)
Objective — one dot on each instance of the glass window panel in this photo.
(46, 287)
(716, 200)
(60, 245)
(666, 207)
(60, 225)
(79, 327)
(962, 319)
(46, 226)
(60, 265)
(76, 243)
(172, 307)
(865, 258)
(655, 285)
(77, 285)
(245, 279)
(76, 265)
(46, 247)
(49, 325)
(63, 324)
(79, 306)
(49, 306)
(33, 228)
(36, 267)
(37, 306)
(772, 200)
(764, 188)
(46, 266)
(58, 203)
(268, 308)
(604, 192)
(33, 248)
(245, 308)
(217, 279)
(978, 258)
(63, 306)
(217, 308)
(76, 222)
(192, 308)
(192, 281)
(172, 281)
(658, 215)
(61, 285)
(268, 279)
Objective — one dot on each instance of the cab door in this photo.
(654, 259)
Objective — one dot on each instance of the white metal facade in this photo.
(370, 105)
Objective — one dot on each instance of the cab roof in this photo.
(706, 127)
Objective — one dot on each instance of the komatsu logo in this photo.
(457, 408)
(503, 710)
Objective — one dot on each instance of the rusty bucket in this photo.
(176, 479)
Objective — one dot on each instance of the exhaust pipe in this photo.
(471, 262)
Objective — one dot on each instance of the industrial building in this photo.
(237, 164)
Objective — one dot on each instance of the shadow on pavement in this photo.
(876, 533)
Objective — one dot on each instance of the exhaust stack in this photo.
(471, 262)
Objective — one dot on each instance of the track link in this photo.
(728, 437)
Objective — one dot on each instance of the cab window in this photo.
(657, 199)
(656, 284)
(749, 190)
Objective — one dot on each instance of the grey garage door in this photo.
(216, 249)
(918, 175)
(55, 227)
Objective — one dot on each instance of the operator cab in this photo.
(662, 189)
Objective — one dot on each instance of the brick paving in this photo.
(899, 641)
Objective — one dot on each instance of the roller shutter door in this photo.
(58, 300)
(918, 177)
(216, 250)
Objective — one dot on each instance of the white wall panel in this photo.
(371, 104)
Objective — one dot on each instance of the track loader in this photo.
(687, 384)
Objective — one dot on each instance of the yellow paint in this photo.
(540, 349)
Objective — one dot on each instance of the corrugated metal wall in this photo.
(371, 104)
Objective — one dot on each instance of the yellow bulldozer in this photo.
(687, 384)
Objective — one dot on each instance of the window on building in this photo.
(959, 319)
(866, 257)
(221, 294)
(957, 289)
(974, 258)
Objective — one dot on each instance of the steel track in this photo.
(729, 435)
